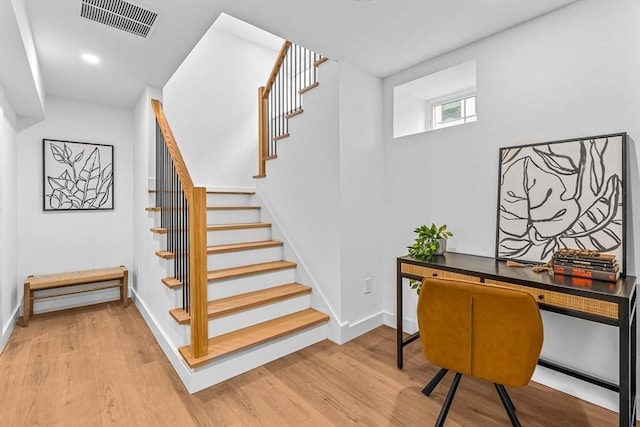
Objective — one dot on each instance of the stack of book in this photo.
(590, 265)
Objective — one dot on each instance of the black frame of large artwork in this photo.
(580, 165)
(87, 186)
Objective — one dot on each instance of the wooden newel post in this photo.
(198, 272)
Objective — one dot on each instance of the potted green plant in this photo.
(431, 240)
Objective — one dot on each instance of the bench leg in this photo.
(26, 305)
(124, 289)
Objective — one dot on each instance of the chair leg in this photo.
(447, 401)
(509, 401)
(508, 405)
(434, 382)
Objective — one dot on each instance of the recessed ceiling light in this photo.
(90, 58)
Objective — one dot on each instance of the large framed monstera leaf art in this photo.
(77, 176)
(562, 194)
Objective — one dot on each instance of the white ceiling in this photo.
(379, 36)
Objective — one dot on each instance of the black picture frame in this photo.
(77, 176)
(570, 193)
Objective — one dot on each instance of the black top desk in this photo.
(603, 302)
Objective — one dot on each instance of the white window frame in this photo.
(458, 96)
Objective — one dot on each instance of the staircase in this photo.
(241, 304)
(254, 301)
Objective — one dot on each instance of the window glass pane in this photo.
(470, 106)
(451, 111)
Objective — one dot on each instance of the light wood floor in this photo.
(102, 367)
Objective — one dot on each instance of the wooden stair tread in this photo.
(219, 192)
(320, 61)
(246, 270)
(153, 209)
(249, 193)
(238, 226)
(294, 113)
(221, 227)
(165, 254)
(308, 88)
(231, 208)
(253, 335)
(171, 282)
(238, 303)
(279, 137)
(233, 247)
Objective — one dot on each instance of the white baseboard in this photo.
(408, 325)
(8, 328)
(577, 388)
(350, 331)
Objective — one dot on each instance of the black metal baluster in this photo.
(292, 107)
(283, 88)
(272, 132)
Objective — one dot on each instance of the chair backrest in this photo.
(485, 331)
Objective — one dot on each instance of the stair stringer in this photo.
(319, 301)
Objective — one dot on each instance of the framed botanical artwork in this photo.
(562, 194)
(77, 176)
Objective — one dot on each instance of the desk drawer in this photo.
(418, 270)
(571, 302)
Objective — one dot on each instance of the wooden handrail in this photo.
(293, 73)
(276, 68)
(197, 205)
(172, 146)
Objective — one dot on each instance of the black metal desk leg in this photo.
(399, 316)
(627, 315)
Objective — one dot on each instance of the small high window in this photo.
(456, 112)
(442, 99)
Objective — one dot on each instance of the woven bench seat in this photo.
(65, 280)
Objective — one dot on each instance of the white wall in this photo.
(410, 114)
(211, 102)
(50, 242)
(567, 74)
(361, 196)
(9, 298)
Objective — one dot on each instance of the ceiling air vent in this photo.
(120, 14)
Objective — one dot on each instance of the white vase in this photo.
(442, 246)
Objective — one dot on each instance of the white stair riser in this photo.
(238, 236)
(257, 315)
(228, 199)
(155, 216)
(233, 216)
(239, 258)
(254, 282)
(253, 357)
(160, 241)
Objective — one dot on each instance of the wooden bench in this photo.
(64, 280)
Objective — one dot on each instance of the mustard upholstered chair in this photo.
(485, 331)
